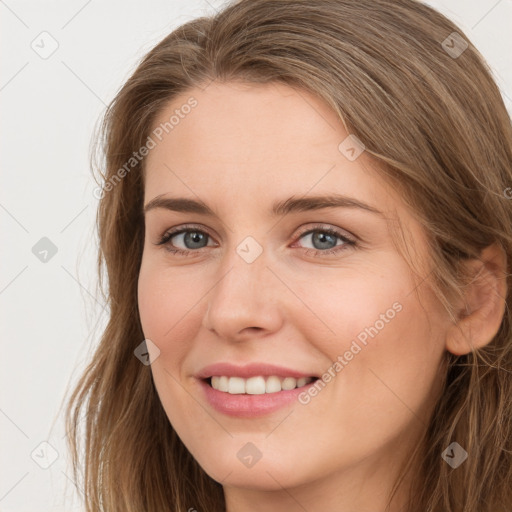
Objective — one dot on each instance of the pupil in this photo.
(321, 237)
(194, 237)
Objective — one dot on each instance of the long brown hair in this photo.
(423, 102)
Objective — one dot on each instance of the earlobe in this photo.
(485, 303)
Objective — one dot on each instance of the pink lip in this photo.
(249, 370)
(249, 406)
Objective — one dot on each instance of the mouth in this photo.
(257, 385)
(252, 390)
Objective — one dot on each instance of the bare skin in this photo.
(239, 150)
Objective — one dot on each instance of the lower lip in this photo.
(250, 406)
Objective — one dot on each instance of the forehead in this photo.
(263, 122)
(255, 139)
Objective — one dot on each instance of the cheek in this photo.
(385, 346)
(388, 368)
(165, 304)
(354, 305)
(165, 299)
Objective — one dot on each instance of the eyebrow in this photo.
(283, 207)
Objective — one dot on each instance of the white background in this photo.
(51, 315)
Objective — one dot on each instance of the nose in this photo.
(244, 303)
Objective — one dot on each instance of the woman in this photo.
(340, 338)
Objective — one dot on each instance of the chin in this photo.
(270, 474)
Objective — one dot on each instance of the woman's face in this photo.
(275, 288)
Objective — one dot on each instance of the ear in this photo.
(484, 303)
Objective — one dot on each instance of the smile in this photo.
(245, 398)
(258, 385)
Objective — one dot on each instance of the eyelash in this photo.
(348, 242)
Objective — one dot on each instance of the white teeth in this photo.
(257, 385)
(220, 383)
(223, 384)
(289, 383)
(273, 385)
(236, 386)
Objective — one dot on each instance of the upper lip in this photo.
(249, 370)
